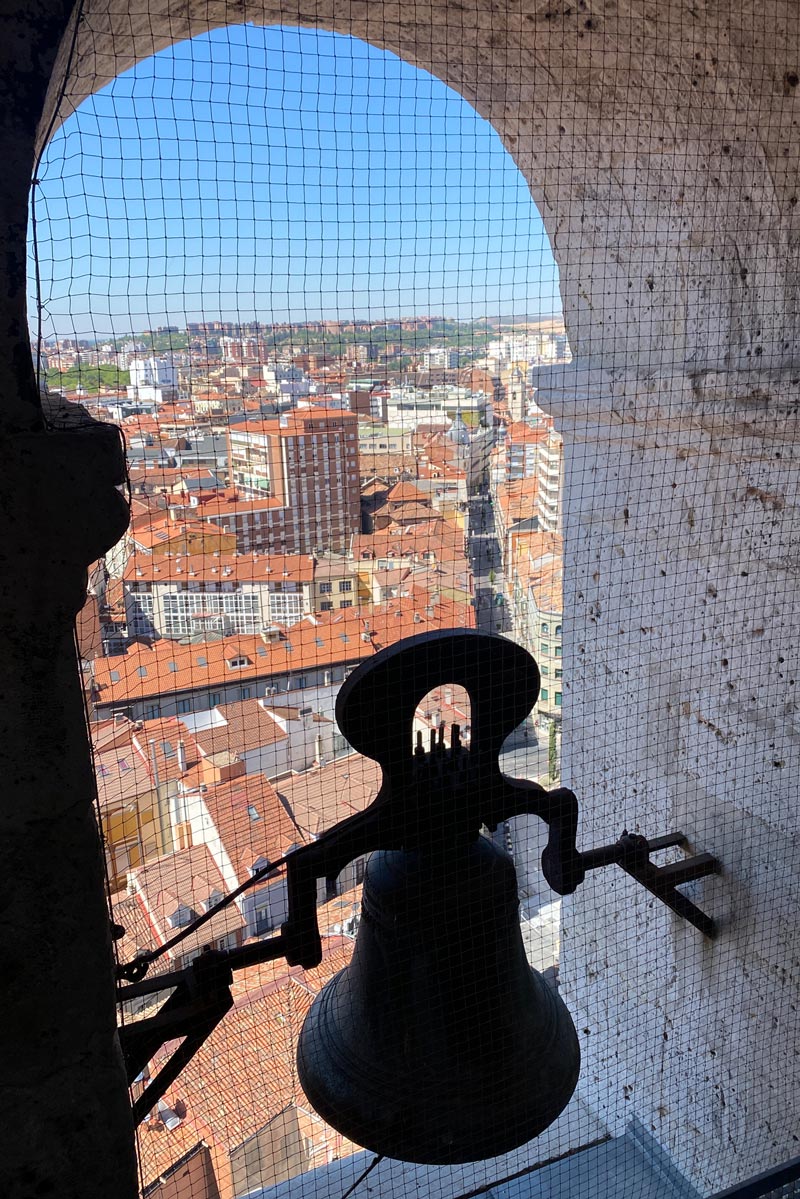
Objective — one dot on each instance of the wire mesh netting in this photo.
(308, 279)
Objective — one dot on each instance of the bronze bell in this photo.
(438, 1043)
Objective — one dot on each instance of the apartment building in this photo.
(308, 460)
(167, 678)
(536, 578)
(549, 472)
(255, 524)
(185, 595)
(520, 450)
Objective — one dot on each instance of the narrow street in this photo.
(523, 755)
(487, 568)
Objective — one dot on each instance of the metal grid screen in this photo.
(468, 317)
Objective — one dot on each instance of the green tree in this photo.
(90, 378)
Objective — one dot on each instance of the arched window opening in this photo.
(312, 287)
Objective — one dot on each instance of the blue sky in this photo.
(282, 174)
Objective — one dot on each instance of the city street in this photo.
(484, 555)
(523, 756)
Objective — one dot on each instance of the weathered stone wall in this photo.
(682, 667)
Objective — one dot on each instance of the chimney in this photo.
(181, 757)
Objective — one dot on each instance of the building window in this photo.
(183, 705)
(544, 670)
(544, 647)
(558, 630)
(545, 627)
(346, 585)
(346, 604)
(558, 651)
(559, 672)
(325, 588)
(285, 609)
(215, 699)
(152, 712)
(263, 920)
(558, 699)
(247, 692)
(544, 694)
(326, 606)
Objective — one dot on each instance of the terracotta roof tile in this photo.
(214, 567)
(178, 888)
(245, 1074)
(252, 825)
(149, 670)
(321, 797)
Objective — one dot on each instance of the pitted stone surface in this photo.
(681, 615)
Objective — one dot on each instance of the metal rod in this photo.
(234, 959)
(647, 875)
(151, 986)
(665, 842)
(253, 955)
(699, 866)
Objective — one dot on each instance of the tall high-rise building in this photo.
(308, 460)
(549, 472)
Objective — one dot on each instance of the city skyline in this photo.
(282, 175)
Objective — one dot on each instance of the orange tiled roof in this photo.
(213, 567)
(438, 536)
(245, 1074)
(250, 821)
(248, 724)
(188, 879)
(161, 532)
(517, 499)
(321, 797)
(225, 502)
(404, 492)
(521, 431)
(149, 670)
(538, 563)
(297, 421)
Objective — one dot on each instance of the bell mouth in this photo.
(439, 1043)
(415, 1115)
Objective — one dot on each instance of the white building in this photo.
(438, 357)
(284, 381)
(410, 406)
(230, 593)
(152, 379)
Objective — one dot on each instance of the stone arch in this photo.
(658, 145)
(660, 142)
